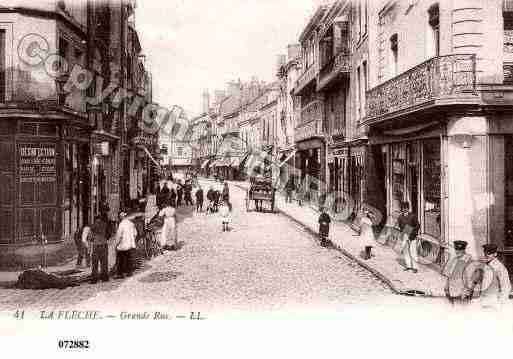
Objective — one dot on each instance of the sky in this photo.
(194, 45)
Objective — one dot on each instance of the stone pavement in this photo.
(384, 264)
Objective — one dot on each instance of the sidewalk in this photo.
(8, 279)
(384, 264)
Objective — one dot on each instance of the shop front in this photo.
(311, 161)
(413, 175)
(45, 174)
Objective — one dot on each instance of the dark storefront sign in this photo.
(37, 183)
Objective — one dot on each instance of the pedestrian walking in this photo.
(289, 188)
(324, 227)
(367, 235)
(169, 236)
(82, 245)
(99, 236)
(179, 193)
(226, 195)
(300, 193)
(409, 227)
(211, 199)
(125, 244)
(494, 284)
(217, 199)
(457, 288)
(199, 199)
(224, 212)
(188, 193)
(163, 194)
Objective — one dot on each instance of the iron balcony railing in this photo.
(338, 64)
(441, 78)
(306, 77)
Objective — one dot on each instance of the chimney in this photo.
(219, 95)
(293, 51)
(205, 101)
(234, 88)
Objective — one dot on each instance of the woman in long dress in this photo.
(168, 238)
(367, 235)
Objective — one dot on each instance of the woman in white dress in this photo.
(367, 234)
(168, 238)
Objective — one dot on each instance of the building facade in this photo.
(60, 148)
(438, 118)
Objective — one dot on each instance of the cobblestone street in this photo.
(265, 263)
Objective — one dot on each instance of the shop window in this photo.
(398, 175)
(2, 66)
(6, 157)
(6, 225)
(394, 51)
(432, 187)
(6, 194)
(434, 30)
(508, 191)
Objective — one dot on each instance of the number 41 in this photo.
(20, 314)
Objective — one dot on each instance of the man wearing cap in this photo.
(495, 284)
(457, 290)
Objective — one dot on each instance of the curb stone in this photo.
(394, 284)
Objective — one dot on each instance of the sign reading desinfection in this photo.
(37, 163)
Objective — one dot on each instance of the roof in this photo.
(314, 19)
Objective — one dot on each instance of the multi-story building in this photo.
(288, 70)
(141, 150)
(309, 136)
(61, 149)
(438, 117)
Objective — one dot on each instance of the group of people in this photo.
(92, 243)
(175, 191)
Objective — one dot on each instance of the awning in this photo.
(204, 164)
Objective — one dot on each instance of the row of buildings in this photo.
(73, 85)
(387, 101)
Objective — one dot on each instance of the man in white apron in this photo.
(495, 283)
(457, 288)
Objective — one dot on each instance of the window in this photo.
(358, 92)
(365, 16)
(363, 87)
(394, 52)
(508, 42)
(2, 66)
(434, 25)
(179, 151)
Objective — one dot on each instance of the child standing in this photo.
(224, 211)
(324, 227)
(367, 234)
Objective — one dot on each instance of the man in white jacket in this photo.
(125, 246)
(495, 283)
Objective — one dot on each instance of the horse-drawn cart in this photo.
(261, 190)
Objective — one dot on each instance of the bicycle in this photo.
(152, 247)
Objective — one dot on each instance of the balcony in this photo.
(312, 111)
(339, 65)
(444, 80)
(310, 130)
(305, 79)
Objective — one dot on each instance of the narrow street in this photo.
(265, 263)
